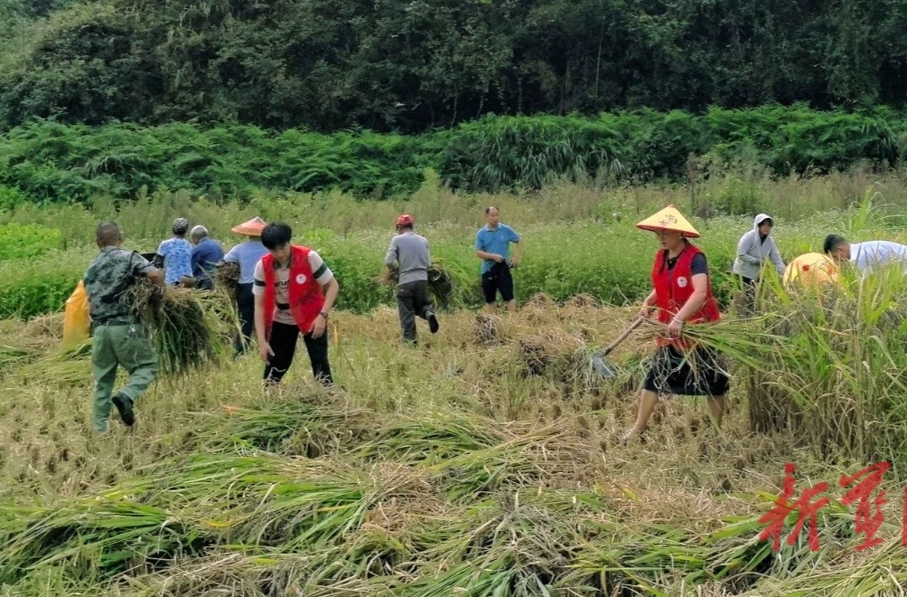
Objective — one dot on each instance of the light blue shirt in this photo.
(876, 253)
(177, 254)
(495, 241)
(247, 254)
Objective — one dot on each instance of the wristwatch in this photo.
(324, 314)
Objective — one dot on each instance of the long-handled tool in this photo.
(600, 364)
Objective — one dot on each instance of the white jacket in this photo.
(751, 253)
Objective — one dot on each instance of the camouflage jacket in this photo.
(108, 277)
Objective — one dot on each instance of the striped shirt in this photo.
(322, 273)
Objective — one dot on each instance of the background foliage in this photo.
(47, 161)
(411, 65)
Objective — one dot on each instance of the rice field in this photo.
(484, 462)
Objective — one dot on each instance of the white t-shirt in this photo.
(322, 273)
(876, 253)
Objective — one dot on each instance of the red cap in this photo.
(404, 220)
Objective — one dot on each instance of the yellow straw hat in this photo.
(669, 219)
(252, 227)
(811, 269)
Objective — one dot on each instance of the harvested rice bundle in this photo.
(583, 301)
(486, 330)
(15, 355)
(555, 354)
(46, 326)
(227, 278)
(443, 282)
(64, 366)
(188, 328)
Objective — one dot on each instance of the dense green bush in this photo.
(36, 286)
(51, 162)
(27, 240)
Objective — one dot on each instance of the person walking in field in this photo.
(682, 295)
(493, 248)
(206, 253)
(866, 256)
(175, 256)
(410, 254)
(119, 339)
(247, 254)
(294, 293)
(755, 249)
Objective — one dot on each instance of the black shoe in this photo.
(433, 324)
(124, 405)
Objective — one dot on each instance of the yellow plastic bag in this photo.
(76, 321)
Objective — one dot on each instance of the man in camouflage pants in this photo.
(119, 339)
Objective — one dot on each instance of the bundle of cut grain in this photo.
(189, 328)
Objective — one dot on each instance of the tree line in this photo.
(415, 65)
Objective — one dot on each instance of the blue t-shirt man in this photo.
(493, 248)
(495, 241)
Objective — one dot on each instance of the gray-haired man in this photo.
(206, 252)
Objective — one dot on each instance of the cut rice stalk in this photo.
(189, 328)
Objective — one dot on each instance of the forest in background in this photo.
(410, 66)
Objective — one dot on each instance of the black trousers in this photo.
(749, 295)
(412, 301)
(245, 307)
(498, 278)
(283, 343)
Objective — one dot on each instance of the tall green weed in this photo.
(610, 260)
(27, 240)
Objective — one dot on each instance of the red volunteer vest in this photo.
(305, 293)
(674, 287)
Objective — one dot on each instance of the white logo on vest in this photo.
(300, 279)
(682, 282)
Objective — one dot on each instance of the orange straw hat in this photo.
(251, 228)
(669, 219)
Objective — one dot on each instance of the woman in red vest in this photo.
(294, 292)
(683, 296)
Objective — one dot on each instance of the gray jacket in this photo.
(411, 253)
(751, 253)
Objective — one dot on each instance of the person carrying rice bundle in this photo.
(294, 292)
(683, 295)
(119, 339)
(410, 253)
(246, 254)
